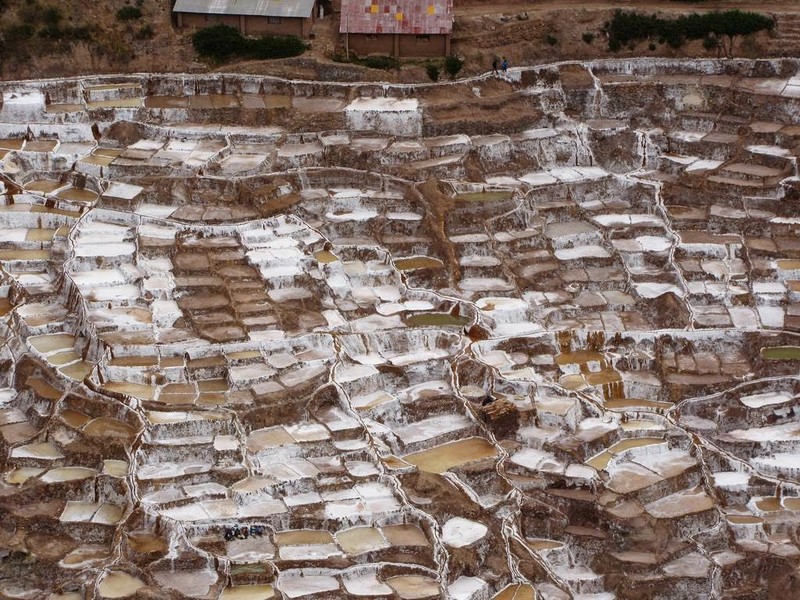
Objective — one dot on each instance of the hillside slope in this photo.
(51, 38)
(47, 38)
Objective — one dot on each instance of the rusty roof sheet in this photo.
(265, 8)
(421, 17)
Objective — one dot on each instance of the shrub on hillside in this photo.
(52, 32)
(381, 62)
(453, 64)
(282, 46)
(51, 15)
(129, 13)
(433, 71)
(630, 26)
(145, 32)
(221, 43)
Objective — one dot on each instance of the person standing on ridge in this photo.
(505, 65)
(494, 66)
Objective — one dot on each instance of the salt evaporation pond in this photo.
(400, 332)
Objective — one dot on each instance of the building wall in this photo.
(196, 21)
(364, 45)
(414, 45)
(399, 45)
(248, 25)
(287, 26)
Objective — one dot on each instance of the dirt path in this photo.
(572, 30)
(531, 6)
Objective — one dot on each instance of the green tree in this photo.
(453, 65)
(129, 13)
(220, 42)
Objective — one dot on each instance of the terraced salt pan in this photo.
(91, 512)
(118, 584)
(310, 552)
(766, 399)
(468, 588)
(40, 451)
(248, 592)
(432, 427)
(775, 433)
(414, 587)
(63, 474)
(647, 243)
(580, 307)
(779, 463)
(581, 252)
(371, 399)
(365, 584)
(442, 458)
(459, 532)
(731, 480)
(537, 460)
(703, 165)
(385, 115)
(654, 290)
(296, 584)
(680, 504)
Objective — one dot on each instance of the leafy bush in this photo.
(551, 39)
(630, 26)
(51, 16)
(274, 47)
(16, 34)
(129, 13)
(453, 64)
(588, 37)
(381, 62)
(52, 32)
(221, 43)
(145, 32)
(29, 12)
(371, 62)
(432, 71)
(83, 33)
(710, 42)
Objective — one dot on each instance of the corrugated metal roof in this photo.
(421, 17)
(264, 8)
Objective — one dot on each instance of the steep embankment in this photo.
(42, 38)
(45, 38)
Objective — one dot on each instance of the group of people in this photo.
(503, 66)
(242, 533)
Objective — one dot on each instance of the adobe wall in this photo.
(401, 46)
(248, 25)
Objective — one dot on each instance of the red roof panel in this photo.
(397, 16)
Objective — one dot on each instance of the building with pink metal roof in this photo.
(251, 17)
(400, 28)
